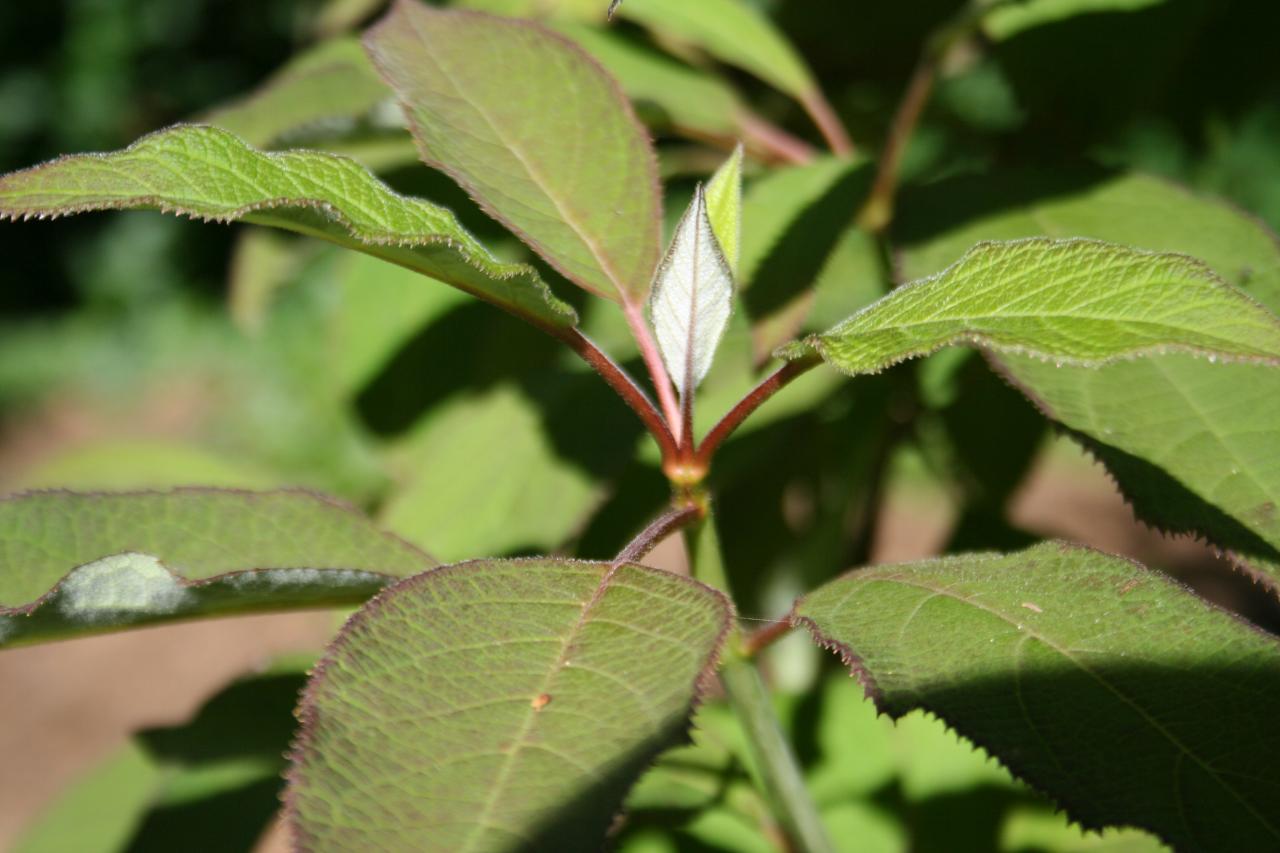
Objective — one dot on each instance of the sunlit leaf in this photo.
(492, 704)
(536, 131)
(210, 174)
(1191, 444)
(1111, 688)
(724, 207)
(1073, 301)
(75, 563)
(692, 298)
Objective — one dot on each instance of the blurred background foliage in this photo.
(143, 351)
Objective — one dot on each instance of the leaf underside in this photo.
(210, 174)
(1073, 301)
(498, 705)
(75, 563)
(1114, 690)
(536, 131)
(692, 298)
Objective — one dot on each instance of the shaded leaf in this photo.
(1074, 301)
(692, 298)
(575, 177)
(1191, 444)
(492, 704)
(1008, 19)
(1121, 695)
(724, 207)
(208, 173)
(73, 563)
(325, 89)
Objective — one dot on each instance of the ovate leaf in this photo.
(207, 173)
(724, 207)
(498, 705)
(692, 298)
(1191, 444)
(1073, 301)
(536, 131)
(81, 563)
(1113, 689)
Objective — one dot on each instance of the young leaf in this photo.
(1074, 301)
(207, 173)
(724, 207)
(81, 563)
(1121, 695)
(536, 131)
(497, 704)
(692, 298)
(1191, 444)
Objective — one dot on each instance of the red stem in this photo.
(661, 527)
(758, 641)
(748, 404)
(770, 138)
(819, 109)
(653, 361)
(626, 387)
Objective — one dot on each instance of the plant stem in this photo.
(748, 404)
(660, 528)
(625, 386)
(768, 137)
(757, 641)
(653, 361)
(780, 774)
(815, 103)
(877, 212)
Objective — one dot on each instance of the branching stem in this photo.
(621, 382)
(815, 103)
(757, 641)
(657, 371)
(660, 528)
(748, 404)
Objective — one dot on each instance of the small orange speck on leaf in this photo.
(541, 701)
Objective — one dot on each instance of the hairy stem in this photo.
(653, 361)
(625, 386)
(757, 641)
(780, 775)
(660, 528)
(748, 404)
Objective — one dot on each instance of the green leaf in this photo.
(82, 563)
(1191, 444)
(1007, 19)
(329, 87)
(1073, 301)
(207, 173)
(733, 32)
(497, 704)
(544, 139)
(1111, 688)
(724, 207)
(477, 475)
(692, 299)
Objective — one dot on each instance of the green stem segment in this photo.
(779, 771)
